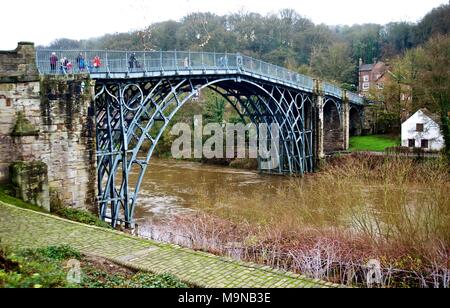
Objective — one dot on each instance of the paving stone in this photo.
(21, 228)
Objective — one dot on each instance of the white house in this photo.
(422, 130)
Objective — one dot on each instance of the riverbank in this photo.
(329, 225)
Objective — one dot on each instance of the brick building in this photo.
(370, 75)
(372, 81)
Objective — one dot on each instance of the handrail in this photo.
(178, 62)
(355, 98)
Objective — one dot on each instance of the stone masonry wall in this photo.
(59, 122)
(369, 124)
(333, 129)
(19, 65)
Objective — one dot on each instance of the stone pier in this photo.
(319, 121)
(346, 122)
(332, 124)
(46, 121)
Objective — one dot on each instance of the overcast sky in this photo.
(42, 21)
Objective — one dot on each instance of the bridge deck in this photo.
(21, 228)
(143, 64)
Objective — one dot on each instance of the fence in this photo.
(181, 62)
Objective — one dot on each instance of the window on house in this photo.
(419, 128)
(424, 144)
(381, 86)
(411, 143)
(366, 78)
(366, 86)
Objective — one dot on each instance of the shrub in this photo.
(59, 253)
(46, 268)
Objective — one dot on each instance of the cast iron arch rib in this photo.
(128, 111)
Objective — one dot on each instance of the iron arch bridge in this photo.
(138, 93)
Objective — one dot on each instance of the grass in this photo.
(6, 193)
(57, 208)
(80, 216)
(49, 268)
(375, 143)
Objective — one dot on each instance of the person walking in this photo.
(53, 62)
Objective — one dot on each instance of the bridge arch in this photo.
(333, 134)
(279, 107)
(356, 121)
(128, 111)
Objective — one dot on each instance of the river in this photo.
(170, 188)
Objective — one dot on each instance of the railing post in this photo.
(175, 59)
(239, 61)
(107, 62)
(126, 61)
(189, 60)
(145, 66)
(226, 61)
(203, 61)
(161, 60)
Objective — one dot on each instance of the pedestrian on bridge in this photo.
(132, 62)
(186, 62)
(81, 62)
(63, 66)
(223, 61)
(69, 67)
(53, 62)
(96, 62)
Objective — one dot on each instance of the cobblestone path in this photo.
(20, 228)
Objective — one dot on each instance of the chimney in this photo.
(375, 60)
(360, 62)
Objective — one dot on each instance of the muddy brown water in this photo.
(169, 188)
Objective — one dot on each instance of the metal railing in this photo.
(355, 98)
(330, 89)
(179, 62)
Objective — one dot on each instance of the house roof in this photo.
(431, 115)
(366, 67)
